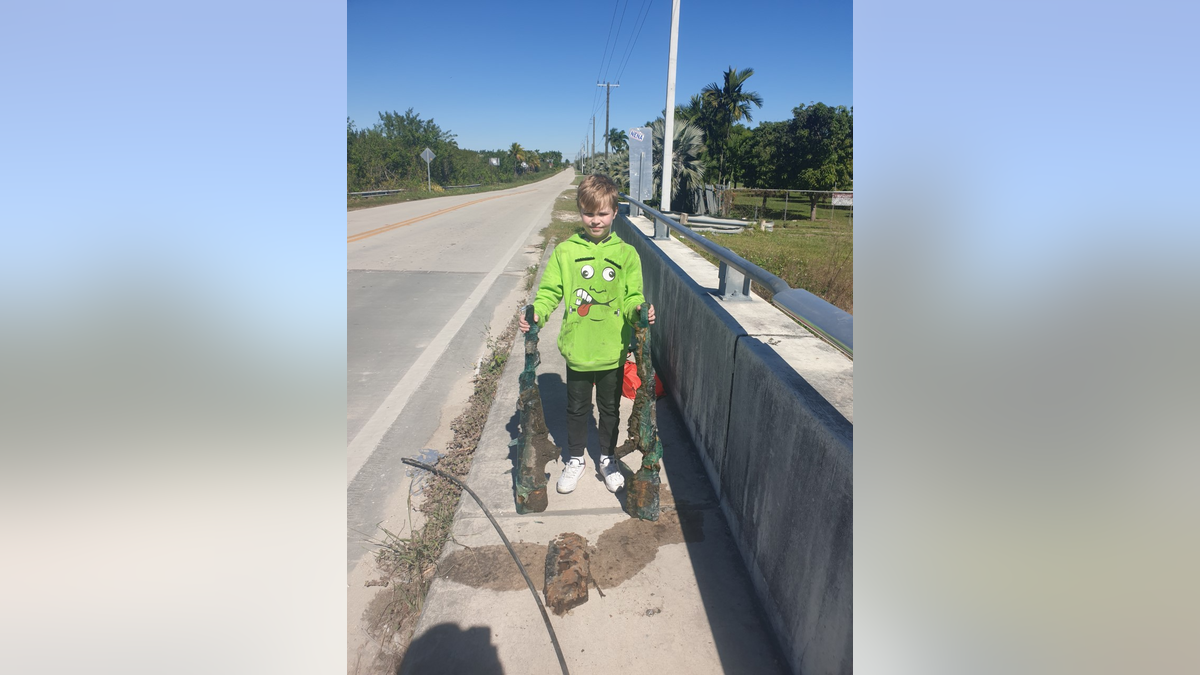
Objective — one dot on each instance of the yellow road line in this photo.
(386, 228)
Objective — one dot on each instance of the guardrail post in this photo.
(661, 231)
(734, 285)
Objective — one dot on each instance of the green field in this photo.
(749, 206)
(816, 256)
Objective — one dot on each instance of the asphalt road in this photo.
(428, 282)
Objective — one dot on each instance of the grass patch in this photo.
(818, 257)
(564, 218)
(793, 209)
(355, 203)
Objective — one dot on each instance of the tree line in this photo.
(387, 157)
(814, 150)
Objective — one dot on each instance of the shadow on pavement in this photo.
(554, 395)
(725, 587)
(554, 407)
(446, 648)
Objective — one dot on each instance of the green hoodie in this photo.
(603, 286)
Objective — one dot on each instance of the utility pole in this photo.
(607, 91)
(593, 143)
(669, 113)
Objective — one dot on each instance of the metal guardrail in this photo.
(373, 193)
(830, 323)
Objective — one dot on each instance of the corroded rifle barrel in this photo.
(534, 446)
(641, 498)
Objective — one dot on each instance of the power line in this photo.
(606, 57)
(605, 53)
(647, 5)
(599, 101)
(617, 40)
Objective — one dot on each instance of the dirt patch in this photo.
(626, 548)
(619, 553)
(567, 216)
(492, 567)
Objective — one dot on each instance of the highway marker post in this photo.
(428, 156)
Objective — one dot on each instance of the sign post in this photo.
(428, 156)
(641, 175)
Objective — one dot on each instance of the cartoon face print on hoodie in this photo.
(599, 286)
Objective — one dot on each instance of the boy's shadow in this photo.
(553, 389)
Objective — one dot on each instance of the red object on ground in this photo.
(631, 382)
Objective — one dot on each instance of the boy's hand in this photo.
(649, 314)
(522, 324)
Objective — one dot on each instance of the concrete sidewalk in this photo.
(677, 598)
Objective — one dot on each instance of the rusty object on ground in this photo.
(568, 571)
(534, 448)
(641, 493)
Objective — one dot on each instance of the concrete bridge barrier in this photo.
(771, 409)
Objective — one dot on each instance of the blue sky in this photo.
(497, 73)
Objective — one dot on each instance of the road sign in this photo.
(428, 156)
(641, 176)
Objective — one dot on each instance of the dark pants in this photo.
(579, 408)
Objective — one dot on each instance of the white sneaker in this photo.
(572, 470)
(613, 480)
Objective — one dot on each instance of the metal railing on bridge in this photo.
(830, 323)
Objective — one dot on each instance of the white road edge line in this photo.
(367, 440)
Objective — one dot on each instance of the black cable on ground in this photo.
(545, 617)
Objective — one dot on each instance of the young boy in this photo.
(601, 277)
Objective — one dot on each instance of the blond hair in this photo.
(595, 191)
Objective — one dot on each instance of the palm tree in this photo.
(617, 140)
(730, 104)
(701, 113)
(698, 110)
(518, 155)
(687, 169)
(617, 168)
